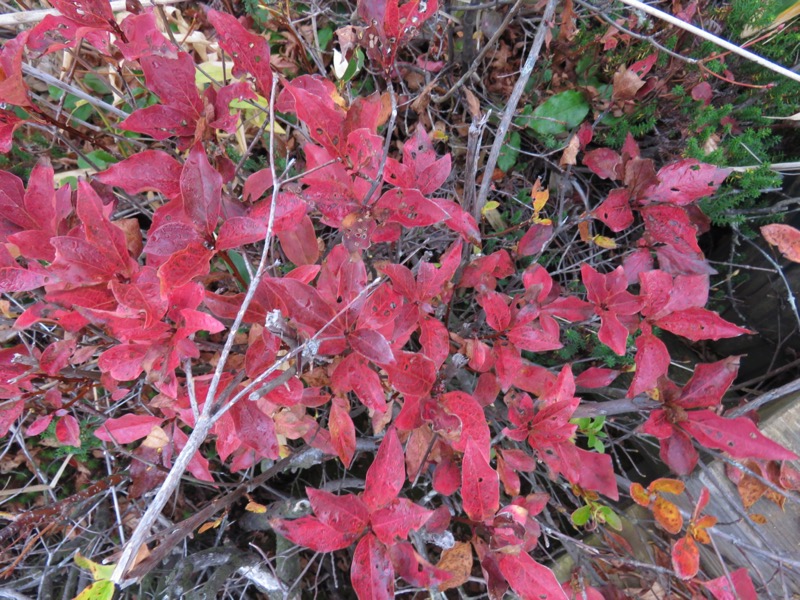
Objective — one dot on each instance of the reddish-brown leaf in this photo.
(785, 237)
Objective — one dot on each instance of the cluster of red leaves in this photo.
(385, 341)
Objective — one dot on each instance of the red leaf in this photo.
(474, 428)
(743, 588)
(201, 189)
(127, 428)
(312, 533)
(412, 373)
(615, 211)
(652, 361)
(101, 232)
(68, 431)
(56, 356)
(250, 52)
(123, 362)
(738, 437)
(397, 519)
(410, 208)
(534, 240)
(387, 473)
(528, 578)
(678, 453)
(149, 170)
(12, 87)
(498, 315)
(371, 345)
(90, 13)
(346, 514)
(435, 340)
(709, 383)
(343, 432)
(19, 279)
(699, 324)
(480, 484)
(671, 225)
(9, 122)
(604, 162)
(685, 558)
(183, 266)
(686, 181)
(238, 231)
(596, 377)
(372, 573)
(613, 333)
(300, 242)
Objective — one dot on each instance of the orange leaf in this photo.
(758, 518)
(670, 486)
(698, 529)
(785, 237)
(668, 515)
(685, 558)
(458, 562)
(640, 495)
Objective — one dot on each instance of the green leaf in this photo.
(324, 35)
(238, 261)
(559, 113)
(510, 152)
(99, 157)
(610, 518)
(99, 590)
(581, 516)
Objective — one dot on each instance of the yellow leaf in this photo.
(255, 507)
(491, 205)
(604, 242)
(209, 525)
(99, 572)
(99, 590)
(212, 72)
(539, 200)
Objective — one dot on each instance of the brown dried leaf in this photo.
(473, 104)
(570, 154)
(458, 562)
(626, 84)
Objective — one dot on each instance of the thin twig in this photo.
(34, 16)
(759, 60)
(513, 101)
(71, 89)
